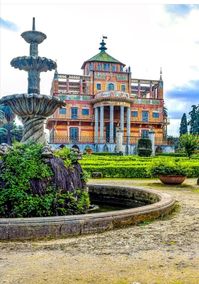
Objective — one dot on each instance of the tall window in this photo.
(98, 86)
(99, 66)
(111, 87)
(106, 66)
(74, 134)
(145, 133)
(113, 67)
(74, 112)
(91, 66)
(123, 88)
(145, 116)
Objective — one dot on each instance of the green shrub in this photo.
(173, 168)
(25, 163)
(144, 147)
(144, 152)
(190, 143)
(182, 154)
(120, 171)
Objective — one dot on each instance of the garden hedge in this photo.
(133, 166)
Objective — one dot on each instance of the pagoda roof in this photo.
(102, 56)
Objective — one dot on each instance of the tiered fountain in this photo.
(33, 107)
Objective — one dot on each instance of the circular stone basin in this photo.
(158, 204)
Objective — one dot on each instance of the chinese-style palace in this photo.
(104, 99)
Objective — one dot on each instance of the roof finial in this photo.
(103, 44)
(160, 73)
(33, 23)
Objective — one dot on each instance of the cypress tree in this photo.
(183, 124)
(194, 120)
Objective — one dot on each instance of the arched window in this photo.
(111, 87)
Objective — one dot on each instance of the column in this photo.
(80, 87)
(122, 118)
(67, 84)
(151, 92)
(139, 93)
(96, 126)
(101, 124)
(111, 123)
(128, 125)
(152, 138)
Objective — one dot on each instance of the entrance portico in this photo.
(114, 104)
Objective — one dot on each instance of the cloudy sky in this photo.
(143, 36)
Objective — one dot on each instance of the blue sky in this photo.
(145, 37)
(5, 24)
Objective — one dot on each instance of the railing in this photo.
(132, 140)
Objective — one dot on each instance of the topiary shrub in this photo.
(144, 147)
(169, 168)
(32, 185)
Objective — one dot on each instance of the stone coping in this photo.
(65, 226)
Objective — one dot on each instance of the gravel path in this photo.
(161, 252)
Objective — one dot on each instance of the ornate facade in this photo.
(103, 99)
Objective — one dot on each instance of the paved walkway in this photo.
(160, 252)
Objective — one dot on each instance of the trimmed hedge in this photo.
(133, 166)
(120, 171)
(144, 147)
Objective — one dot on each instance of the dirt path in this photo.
(161, 252)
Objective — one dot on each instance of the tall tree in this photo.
(194, 120)
(183, 124)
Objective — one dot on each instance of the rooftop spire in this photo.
(33, 23)
(160, 73)
(103, 44)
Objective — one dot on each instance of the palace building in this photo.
(106, 98)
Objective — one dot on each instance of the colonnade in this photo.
(99, 122)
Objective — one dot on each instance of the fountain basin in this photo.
(33, 37)
(158, 204)
(32, 104)
(27, 63)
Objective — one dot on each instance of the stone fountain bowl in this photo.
(33, 36)
(32, 105)
(27, 63)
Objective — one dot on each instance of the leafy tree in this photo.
(183, 125)
(194, 120)
(190, 143)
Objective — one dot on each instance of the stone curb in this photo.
(65, 226)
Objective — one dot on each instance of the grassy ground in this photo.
(160, 252)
